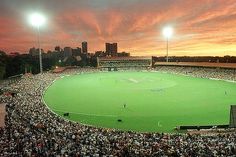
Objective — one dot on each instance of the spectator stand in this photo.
(31, 129)
(117, 63)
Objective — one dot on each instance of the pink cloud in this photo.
(198, 25)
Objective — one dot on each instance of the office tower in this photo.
(111, 49)
(84, 47)
(67, 51)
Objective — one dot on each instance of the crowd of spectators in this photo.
(214, 73)
(33, 130)
(125, 63)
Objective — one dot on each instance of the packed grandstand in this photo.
(123, 62)
(31, 129)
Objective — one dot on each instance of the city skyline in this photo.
(201, 28)
(108, 48)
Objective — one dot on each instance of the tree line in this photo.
(26, 63)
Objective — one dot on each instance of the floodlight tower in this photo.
(167, 32)
(38, 20)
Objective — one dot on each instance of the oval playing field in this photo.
(143, 101)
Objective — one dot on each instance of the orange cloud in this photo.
(202, 27)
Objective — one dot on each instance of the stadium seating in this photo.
(33, 130)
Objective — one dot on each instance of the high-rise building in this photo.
(84, 47)
(111, 49)
(108, 48)
(67, 51)
(35, 52)
(114, 49)
(76, 52)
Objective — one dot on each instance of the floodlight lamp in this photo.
(167, 31)
(37, 19)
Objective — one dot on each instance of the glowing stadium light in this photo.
(37, 20)
(167, 32)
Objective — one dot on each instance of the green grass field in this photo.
(155, 101)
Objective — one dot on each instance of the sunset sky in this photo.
(201, 27)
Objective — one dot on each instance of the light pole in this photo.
(38, 20)
(167, 32)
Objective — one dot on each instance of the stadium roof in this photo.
(125, 58)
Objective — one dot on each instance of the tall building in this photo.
(111, 49)
(108, 48)
(67, 51)
(84, 47)
(35, 52)
(76, 52)
(114, 49)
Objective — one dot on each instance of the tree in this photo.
(3, 62)
(15, 66)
